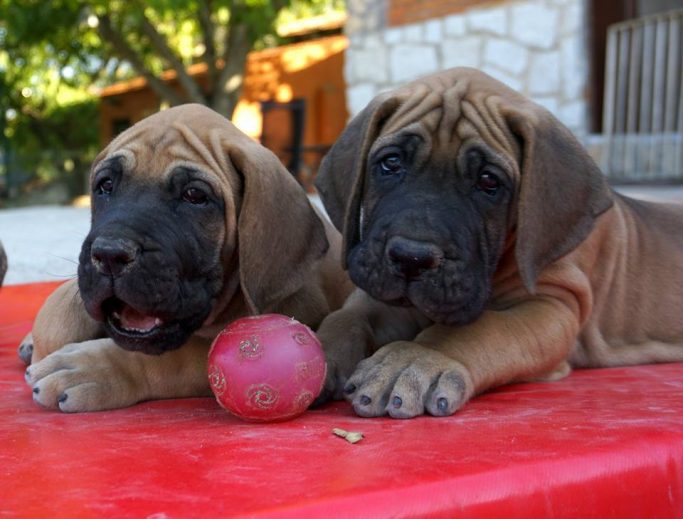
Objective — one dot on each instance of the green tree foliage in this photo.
(54, 54)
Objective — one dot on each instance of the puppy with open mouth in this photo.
(193, 225)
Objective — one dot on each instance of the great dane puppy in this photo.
(488, 249)
(193, 225)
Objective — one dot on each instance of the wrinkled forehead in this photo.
(449, 111)
(156, 147)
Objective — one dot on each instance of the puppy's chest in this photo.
(235, 309)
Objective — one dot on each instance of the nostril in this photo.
(413, 257)
(113, 256)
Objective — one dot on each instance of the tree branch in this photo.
(229, 86)
(161, 45)
(125, 51)
(209, 35)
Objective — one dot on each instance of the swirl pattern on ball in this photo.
(262, 396)
(217, 380)
(251, 348)
(301, 338)
(303, 400)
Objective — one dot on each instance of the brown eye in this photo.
(105, 186)
(195, 196)
(390, 164)
(488, 183)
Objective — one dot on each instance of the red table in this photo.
(602, 443)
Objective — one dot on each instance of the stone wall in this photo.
(537, 47)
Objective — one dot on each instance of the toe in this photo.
(50, 389)
(80, 398)
(408, 394)
(369, 391)
(447, 395)
(48, 365)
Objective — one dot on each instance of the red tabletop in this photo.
(601, 443)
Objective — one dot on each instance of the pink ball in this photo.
(266, 368)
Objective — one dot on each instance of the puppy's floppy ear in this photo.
(341, 176)
(561, 195)
(279, 233)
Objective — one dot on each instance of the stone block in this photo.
(492, 20)
(413, 33)
(366, 65)
(373, 41)
(433, 31)
(574, 65)
(506, 55)
(364, 16)
(462, 52)
(574, 116)
(544, 73)
(358, 97)
(407, 62)
(534, 24)
(572, 18)
(393, 35)
(454, 25)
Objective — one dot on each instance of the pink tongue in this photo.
(134, 320)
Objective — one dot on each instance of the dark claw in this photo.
(36, 390)
(25, 352)
(442, 404)
(350, 388)
(397, 402)
(27, 373)
(365, 400)
(63, 398)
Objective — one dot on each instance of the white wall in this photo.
(537, 47)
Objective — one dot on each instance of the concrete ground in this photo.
(42, 243)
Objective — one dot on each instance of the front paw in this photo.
(404, 379)
(83, 377)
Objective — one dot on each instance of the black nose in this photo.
(113, 256)
(413, 257)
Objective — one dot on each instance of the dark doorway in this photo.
(283, 131)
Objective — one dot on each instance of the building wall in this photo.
(312, 70)
(537, 47)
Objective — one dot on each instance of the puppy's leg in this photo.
(97, 375)
(61, 320)
(445, 366)
(355, 331)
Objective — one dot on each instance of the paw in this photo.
(404, 379)
(26, 349)
(82, 377)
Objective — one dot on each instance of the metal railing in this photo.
(643, 107)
